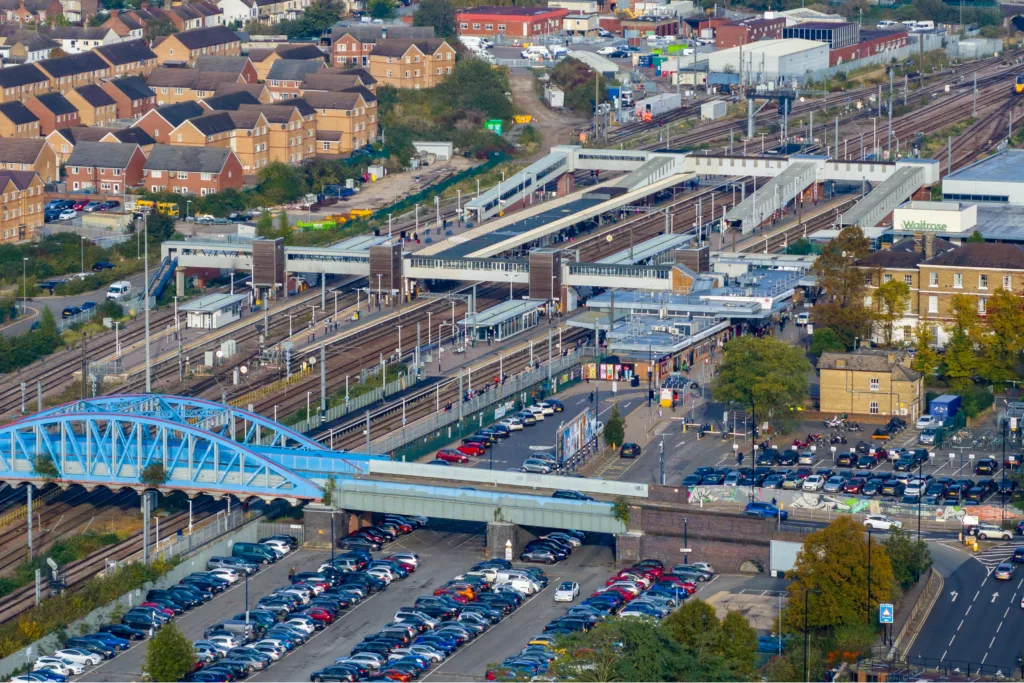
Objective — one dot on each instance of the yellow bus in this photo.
(167, 209)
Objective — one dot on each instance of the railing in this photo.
(471, 264)
(90, 313)
(272, 388)
(21, 512)
(357, 403)
(624, 270)
(218, 525)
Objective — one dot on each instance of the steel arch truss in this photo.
(110, 441)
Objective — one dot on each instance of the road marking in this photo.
(985, 657)
(992, 642)
(951, 640)
(998, 627)
(977, 594)
(968, 610)
(995, 595)
(961, 625)
(954, 594)
(943, 655)
(1006, 612)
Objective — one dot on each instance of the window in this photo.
(873, 408)
(982, 305)
(958, 280)
(1008, 283)
(867, 301)
(874, 384)
(326, 146)
(463, 25)
(933, 304)
(501, 27)
(867, 280)
(74, 169)
(983, 281)
(183, 175)
(933, 279)
(205, 176)
(887, 277)
(909, 279)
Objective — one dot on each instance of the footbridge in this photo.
(238, 256)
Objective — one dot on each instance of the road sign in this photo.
(686, 550)
(885, 613)
(508, 551)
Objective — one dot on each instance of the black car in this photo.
(70, 312)
(570, 495)
(557, 405)
(846, 460)
(629, 450)
(122, 631)
(872, 487)
(767, 457)
(100, 266)
(49, 216)
(986, 466)
(904, 463)
(787, 457)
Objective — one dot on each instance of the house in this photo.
(229, 102)
(53, 111)
(352, 115)
(161, 121)
(78, 39)
(519, 22)
(871, 382)
(258, 90)
(286, 76)
(17, 121)
(95, 106)
(133, 97)
(241, 69)
(416, 64)
(124, 25)
(292, 130)
(103, 167)
(238, 11)
(20, 12)
(21, 205)
(275, 11)
(128, 58)
(63, 141)
(77, 11)
(24, 46)
(352, 45)
(244, 132)
(192, 170)
(195, 15)
(22, 81)
(72, 71)
(188, 46)
(35, 155)
(264, 58)
(174, 85)
(337, 81)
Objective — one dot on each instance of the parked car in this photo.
(765, 510)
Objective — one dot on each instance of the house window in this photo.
(463, 26)
(501, 27)
(183, 175)
(874, 384)
(867, 280)
(909, 279)
(887, 277)
(958, 280)
(933, 304)
(205, 176)
(476, 27)
(873, 408)
(1008, 283)
(983, 281)
(982, 305)
(933, 279)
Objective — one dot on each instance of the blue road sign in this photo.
(885, 613)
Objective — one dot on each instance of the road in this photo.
(58, 304)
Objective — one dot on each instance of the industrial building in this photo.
(997, 179)
(771, 61)
(834, 34)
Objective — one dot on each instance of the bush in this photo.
(154, 474)
(975, 400)
(615, 428)
(169, 655)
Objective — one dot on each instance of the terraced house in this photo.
(22, 81)
(21, 205)
(286, 77)
(345, 120)
(67, 73)
(413, 64)
(133, 97)
(264, 58)
(95, 107)
(174, 85)
(161, 121)
(30, 155)
(53, 111)
(63, 141)
(186, 47)
(192, 170)
(17, 121)
(243, 132)
(130, 58)
(291, 130)
(104, 168)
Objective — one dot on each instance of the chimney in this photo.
(929, 245)
(891, 357)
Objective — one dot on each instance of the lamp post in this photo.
(145, 303)
(24, 282)
(83, 253)
(807, 644)
(868, 604)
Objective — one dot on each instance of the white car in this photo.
(229, 575)
(279, 546)
(300, 624)
(67, 214)
(224, 641)
(608, 49)
(371, 660)
(79, 656)
(704, 566)
(416, 651)
(927, 422)
(512, 424)
(987, 531)
(567, 591)
(881, 523)
(537, 411)
(381, 573)
(802, 319)
(546, 409)
(407, 557)
(815, 482)
(73, 667)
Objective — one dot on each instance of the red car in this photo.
(375, 537)
(471, 448)
(407, 567)
(447, 455)
(626, 595)
(402, 526)
(319, 614)
(461, 599)
(855, 485)
(648, 569)
(394, 675)
(165, 610)
(78, 206)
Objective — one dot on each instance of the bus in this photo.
(164, 208)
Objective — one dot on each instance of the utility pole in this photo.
(85, 369)
(974, 97)
(149, 372)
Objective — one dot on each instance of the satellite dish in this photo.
(49, 561)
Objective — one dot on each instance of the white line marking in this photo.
(961, 625)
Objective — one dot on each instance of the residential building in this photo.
(53, 111)
(95, 106)
(75, 11)
(291, 130)
(275, 11)
(17, 83)
(258, 90)
(174, 85)
(243, 132)
(133, 97)
(520, 22)
(78, 39)
(66, 73)
(124, 25)
(748, 31)
(195, 15)
(20, 12)
(229, 101)
(24, 46)
(351, 115)
(412, 63)
(264, 58)
(352, 45)
(104, 168)
(128, 58)
(36, 155)
(161, 121)
(239, 12)
(188, 46)
(871, 382)
(286, 77)
(241, 69)
(21, 205)
(192, 170)
(18, 121)
(336, 80)
(63, 141)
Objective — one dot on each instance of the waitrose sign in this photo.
(939, 217)
(924, 226)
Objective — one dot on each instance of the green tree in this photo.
(926, 359)
(909, 558)
(976, 236)
(45, 467)
(824, 340)
(169, 655)
(265, 226)
(764, 374)
(159, 27)
(834, 562)
(842, 307)
(281, 183)
(737, 644)
(154, 474)
(437, 13)
(892, 297)
(696, 627)
(381, 9)
(330, 486)
(1004, 340)
(964, 330)
(615, 428)
(283, 228)
(620, 509)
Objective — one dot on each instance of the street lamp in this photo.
(807, 644)
(24, 283)
(83, 253)
(868, 604)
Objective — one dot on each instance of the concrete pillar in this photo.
(316, 522)
(179, 281)
(627, 547)
(565, 185)
(498, 533)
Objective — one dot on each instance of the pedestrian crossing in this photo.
(992, 557)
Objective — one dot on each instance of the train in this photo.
(1019, 86)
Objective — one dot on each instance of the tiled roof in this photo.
(94, 95)
(73, 65)
(174, 114)
(230, 101)
(21, 179)
(232, 65)
(981, 255)
(128, 52)
(133, 87)
(223, 121)
(331, 100)
(78, 33)
(17, 112)
(170, 77)
(20, 150)
(867, 360)
(23, 74)
(292, 69)
(95, 134)
(191, 159)
(102, 154)
(397, 47)
(199, 38)
(330, 82)
(56, 104)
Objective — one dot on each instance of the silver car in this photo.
(536, 466)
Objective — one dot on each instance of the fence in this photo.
(88, 314)
(180, 542)
(357, 403)
(268, 389)
(412, 442)
(282, 528)
(898, 666)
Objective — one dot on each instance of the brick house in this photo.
(522, 22)
(351, 114)
(73, 71)
(130, 58)
(17, 121)
(188, 46)
(258, 90)
(286, 77)
(24, 46)
(244, 132)
(78, 39)
(63, 141)
(22, 81)
(748, 31)
(124, 25)
(30, 155)
(412, 63)
(192, 170)
(871, 382)
(352, 45)
(161, 121)
(104, 168)
(95, 106)
(291, 130)
(174, 85)
(133, 97)
(264, 58)
(229, 101)
(53, 111)
(335, 80)
(21, 205)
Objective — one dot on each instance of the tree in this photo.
(45, 467)
(1004, 340)
(964, 336)
(764, 374)
(926, 360)
(843, 306)
(695, 626)
(57, 52)
(169, 655)
(737, 644)
(976, 236)
(283, 228)
(154, 474)
(824, 340)
(909, 558)
(893, 297)
(834, 561)
(159, 27)
(381, 9)
(330, 486)
(615, 428)
(281, 183)
(620, 509)
(437, 13)
(265, 226)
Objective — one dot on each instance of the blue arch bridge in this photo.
(203, 446)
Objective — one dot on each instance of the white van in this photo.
(536, 52)
(119, 290)
(522, 584)
(558, 51)
(924, 26)
(886, 24)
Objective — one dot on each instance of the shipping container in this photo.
(658, 104)
(944, 407)
(715, 109)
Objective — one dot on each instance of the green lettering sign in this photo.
(924, 225)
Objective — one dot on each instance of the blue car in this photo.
(419, 662)
(47, 675)
(765, 511)
(434, 641)
(110, 639)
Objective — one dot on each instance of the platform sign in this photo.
(885, 613)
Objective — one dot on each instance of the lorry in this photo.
(944, 407)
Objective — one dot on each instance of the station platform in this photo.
(655, 250)
(885, 197)
(773, 196)
(505, 320)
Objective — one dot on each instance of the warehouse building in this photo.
(834, 34)
(998, 179)
(771, 61)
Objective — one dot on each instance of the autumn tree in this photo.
(926, 359)
(1001, 346)
(892, 298)
(842, 308)
(962, 360)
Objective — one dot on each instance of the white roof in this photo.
(771, 48)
